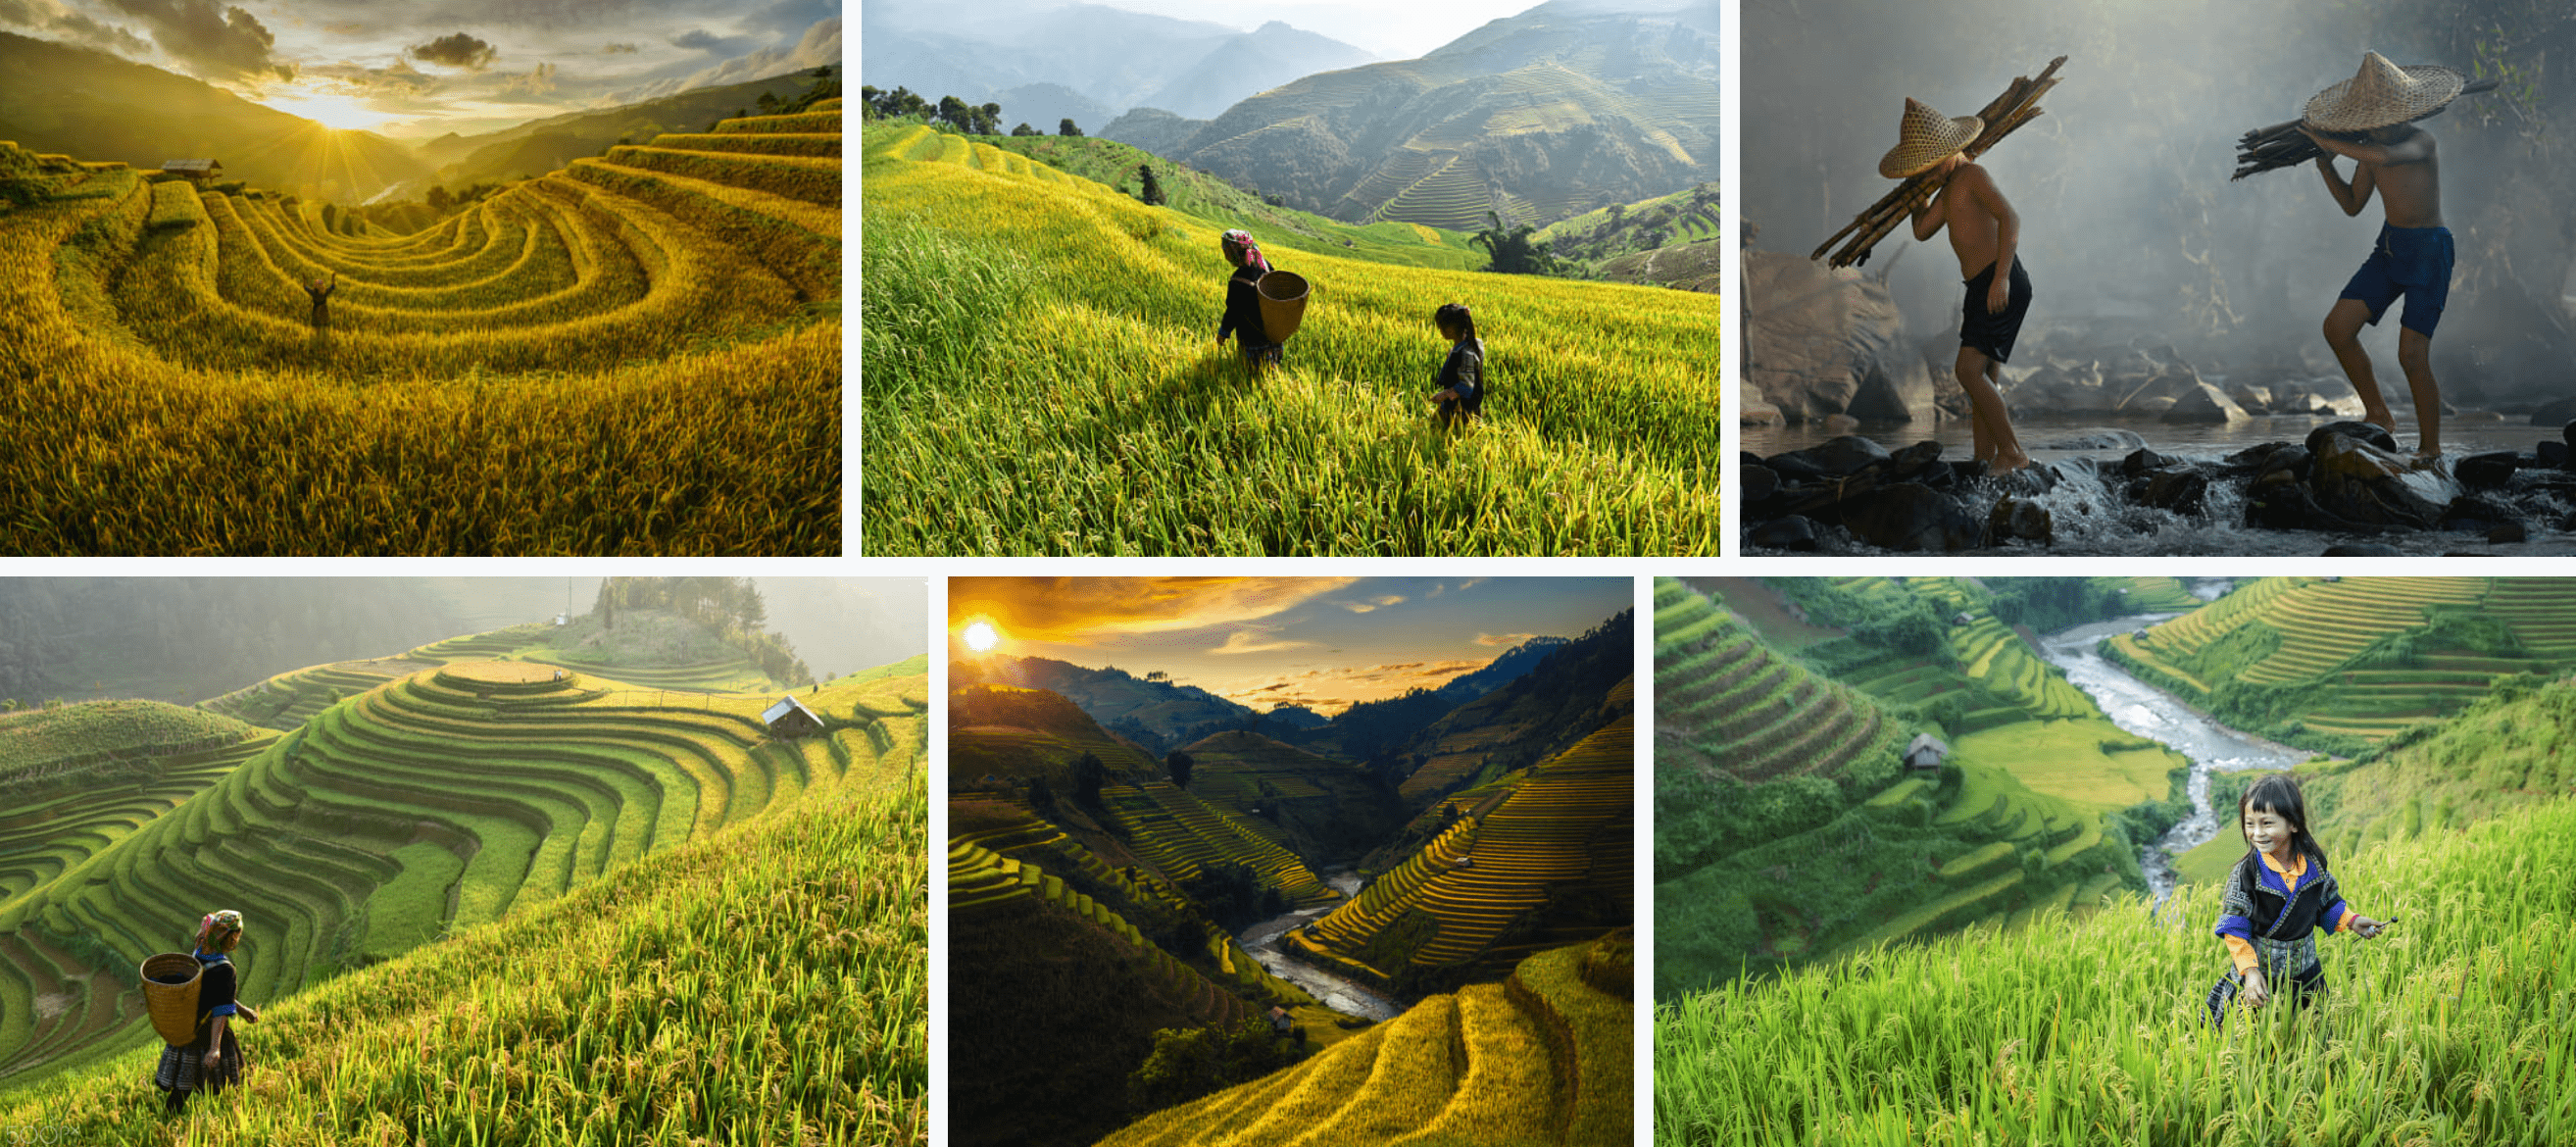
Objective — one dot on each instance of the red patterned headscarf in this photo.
(1242, 252)
(219, 931)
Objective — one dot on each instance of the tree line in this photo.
(950, 113)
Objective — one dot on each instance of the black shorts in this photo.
(1992, 334)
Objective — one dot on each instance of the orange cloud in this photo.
(1505, 640)
(1085, 610)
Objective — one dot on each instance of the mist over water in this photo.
(2131, 231)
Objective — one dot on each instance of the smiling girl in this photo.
(2276, 900)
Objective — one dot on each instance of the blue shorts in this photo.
(2411, 261)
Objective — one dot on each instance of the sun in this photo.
(331, 109)
(981, 636)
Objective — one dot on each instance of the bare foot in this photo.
(2380, 418)
(2426, 457)
(2006, 462)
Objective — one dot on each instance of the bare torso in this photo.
(1967, 206)
(2401, 164)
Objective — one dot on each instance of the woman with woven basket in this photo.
(212, 1060)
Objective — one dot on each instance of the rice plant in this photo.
(2449, 1029)
(1040, 377)
(608, 359)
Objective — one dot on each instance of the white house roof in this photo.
(1924, 741)
(786, 705)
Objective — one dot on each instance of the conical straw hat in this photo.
(1926, 137)
(2383, 94)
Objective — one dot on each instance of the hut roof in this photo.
(1924, 741)
(191, 165)
(786, 705)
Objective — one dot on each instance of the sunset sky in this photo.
(1326, 643)
(424, 69)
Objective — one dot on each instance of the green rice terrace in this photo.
(1788, 827)
(1134, 433)
(1104, 920)
(410, 804)
(2338, 665)
(174, 387)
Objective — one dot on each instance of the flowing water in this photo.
(1341, 995)
(2152, 713)
(2094, 516)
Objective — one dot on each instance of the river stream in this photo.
(2152, 713)
(1345, 996)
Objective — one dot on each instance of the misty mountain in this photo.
(1559, 110)
(1581, 686)
(185, 639)
(1044, 106)
(95, 106)
(542, 145)
(1117, 59)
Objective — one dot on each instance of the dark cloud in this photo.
(399, 76)
(622, 49)
(456, 50)
(701, 40)
(61, 23)
(209, 39)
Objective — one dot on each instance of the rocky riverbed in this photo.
(2343, 490)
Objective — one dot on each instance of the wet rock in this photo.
(2507, 533)
(2175, 489)
(2142, 461)
(1913, 518)
(1938, 475)
(1757, 482)
(2567, 434)
(1968, 469)
(2487, 471)
(1836, 458)
(2257, 400)
(2476, 514)
(2281, 503)
(1841, 423)
(2551, 454)
(2364, 431)
(2363, 550)
(2203, 403)
(1794, 532)
(1906, 463)
(2029, 481)
(2358, 480)
(2254, 456)
(2099, 440)
(2555, 413)
(2022, 519)
(1826, 342)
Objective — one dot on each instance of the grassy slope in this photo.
(92, 729)
(2448, 1030)
(1321, 809)
(763, 985)
(1041, 378)
(1197, 194)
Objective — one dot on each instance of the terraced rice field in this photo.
(2312, 633)
(447, 798)
(1182, 835)
(637, 353)
(1725, 702)
(1133, 433)
(55, 832)
(1540, 1058)
(1565, 835)
(982, 881)
(786, 955)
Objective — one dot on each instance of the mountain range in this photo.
(1043, 62)
(1562, 109)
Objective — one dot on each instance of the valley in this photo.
(1239, 933)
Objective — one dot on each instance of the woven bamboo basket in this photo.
(1283, 303)
(170, 982)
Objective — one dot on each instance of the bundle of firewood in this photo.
(2017, 106)
(2282, 145)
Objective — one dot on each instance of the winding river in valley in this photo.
(1345, 996)
(2152, 713)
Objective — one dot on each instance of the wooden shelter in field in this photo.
(790, 718)
(195, 170)
(1927, 752)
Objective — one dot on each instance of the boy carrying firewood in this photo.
(2412, 257)
(1984, 230)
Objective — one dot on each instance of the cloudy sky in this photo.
(1393, 31)
(424, 69)
(1326, 643)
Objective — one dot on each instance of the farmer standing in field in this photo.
(1243, 301)
(2412, 257)
(1462, 372)
(320, 290)
(212, 1061)
(1984, 232)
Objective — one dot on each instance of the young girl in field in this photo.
(1462, 373)
(212, 1061)
(2277, 898)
